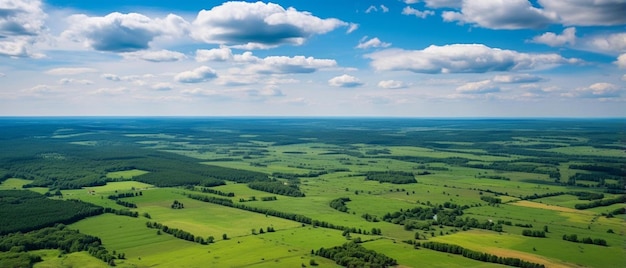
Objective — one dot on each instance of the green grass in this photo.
(13, 184)
(54, 259)
(126, 174)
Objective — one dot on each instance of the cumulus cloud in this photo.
(461, 58)
(596, 91)
(69, 81)
(614, 43)
(216, 54)
(155, 55)
(296, 64)
(198, 75)
(345, 81)
(70, 71)
(392, 84)
(521, 78)
(480, 87)
(374, 42)
(587, 13)
(555, 40)
(21, 23)
(117, 32)
(509, 14)
(259, 25)
(162, 86)
(417, 13)
(621, 61)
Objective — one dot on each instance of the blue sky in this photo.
(415, 58)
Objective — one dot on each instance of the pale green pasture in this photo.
(588, 150)
(126, 174)
(407, 256)
(204, 219)
(53, 258)
(427, 152)
(13, 184)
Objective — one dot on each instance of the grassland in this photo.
(454, 162)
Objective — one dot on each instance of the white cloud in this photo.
(522, 78)
(614, 43)
(21, 23)
(480, 87)
(384, 8)
(461, 58)
(586, 12)
(374, 42)
(259, 25)
(624, 77)
(117, 32)
(345, 81)
(68, 81)
(198, 75)
(554, 40)
(509, 14)
(417, 13)
(621, 61)
(596, 91)
(70, 71)
(371, 9)
(216, 54)
(437, 3)
(155, 55)
(352, 27)
(392, 84)
(2, 75)
(162, 86)
(296, 64)
(41, 90)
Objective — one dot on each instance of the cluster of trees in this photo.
(276, 187)
(534, 233)
(268, 198)
(490, 199)
(269, 229)
(476, 255)
(586, 240)
(396, 177)
(177, 205)
(57, 237)
(126, 203)
(370, 217)
(617, 211)
(602, 203)
(27, 211)
(423, 218)
(352, 254)
(124, 195)
(340, 204)
(178, 233)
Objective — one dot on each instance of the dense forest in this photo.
(26, 211)
(352, 254)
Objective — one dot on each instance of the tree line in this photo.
(586, 240)
(340, 204)
(601, 203)
(276, 187)
(396, 177)
(352, 254)
(476, 255)
(26, 211)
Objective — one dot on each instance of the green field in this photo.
(479, 184)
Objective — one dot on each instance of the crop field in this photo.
(202, 192)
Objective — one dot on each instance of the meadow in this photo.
(483, 185)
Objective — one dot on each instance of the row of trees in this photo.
(586, 240)
(276, 187)
(352, 254)
(602, 203)
(476, 255)
(178, 233)
(423, 218)
(396, 177)
(534, 233)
